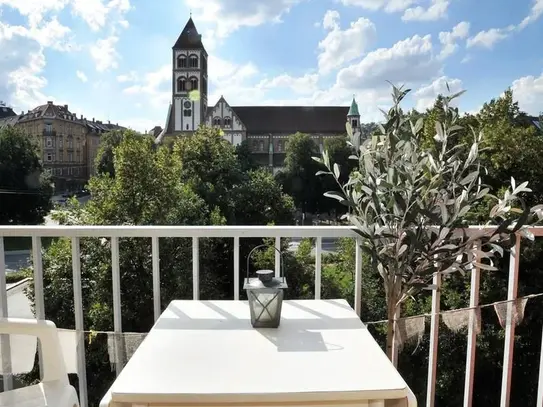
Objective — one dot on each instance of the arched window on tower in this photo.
(227, 122)
(193, 61)
(181, 84)
(216, 121)
(193, 83)
(181, 61)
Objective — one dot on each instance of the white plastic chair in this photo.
(54, 390)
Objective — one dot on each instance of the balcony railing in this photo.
(114, 233)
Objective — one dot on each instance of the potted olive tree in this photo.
(409, 204)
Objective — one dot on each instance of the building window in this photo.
(193, 61)
(49, 157)
(181, 61)
(76, 172)
(280, 145)
(216, 121)
(70, 143)
(78, 143)
(355, 123)
(261, 145)
(181, 84)
(227, 122)
(193, 83)
(48, 128)
(70, 157)
(61, 141)
(187, 113)
(49, 142)
(61, 156)
(78, 156)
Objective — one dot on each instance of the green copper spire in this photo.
(353, 111)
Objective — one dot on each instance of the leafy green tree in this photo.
(300, 180)
(156, 185)
(25, 190)
(408, 201)
(210, 166)
(245, 157)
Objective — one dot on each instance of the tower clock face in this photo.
(187, 104)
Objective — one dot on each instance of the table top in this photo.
(207, 352)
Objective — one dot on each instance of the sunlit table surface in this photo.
(207, 352)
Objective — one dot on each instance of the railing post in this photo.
(434, 340)
(39, 300)
(5, 344)
(195, 269)
(318, 267)
(358, 277)
(236, 268)
(79, 324)
(540, 383)
(509, 345)
(277, 257)
(117, 316)
(155, 253)
(472, 331)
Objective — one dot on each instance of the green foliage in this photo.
(197, 182)
(246, 159)
(300, 178)
(25, 190)
(16, 276)
(408, 202)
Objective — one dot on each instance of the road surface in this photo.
(329, 244)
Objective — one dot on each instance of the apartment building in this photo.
(67, 144)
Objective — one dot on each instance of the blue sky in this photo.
(110, 59)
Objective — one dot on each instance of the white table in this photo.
(207, 352)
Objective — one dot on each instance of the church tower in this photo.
(353, 116)
(189, 81)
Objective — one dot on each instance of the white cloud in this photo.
(487, 39)
(330, 20)
(408, 61)
(528, 91)
(131, 76)
(155, 86)
(104, 53)
(389, 6)
(96, 13)
(306, 84)
(341, 46)
(426, 95)
(21, 66)
(535, 13)
(81, 75)
(34, 10)
(449, 39)
(229, 15)
(435, 11)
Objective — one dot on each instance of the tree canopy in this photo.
(25, 190)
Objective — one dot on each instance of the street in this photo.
(329, 244)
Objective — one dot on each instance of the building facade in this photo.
(266, 128)
(68, 145)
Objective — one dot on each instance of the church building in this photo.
(266, 128)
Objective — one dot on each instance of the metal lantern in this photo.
(265, 294)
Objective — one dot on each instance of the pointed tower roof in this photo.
(189, 38)
(353, 111)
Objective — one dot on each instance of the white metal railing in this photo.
(237, 233)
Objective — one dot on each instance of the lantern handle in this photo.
(282, 262)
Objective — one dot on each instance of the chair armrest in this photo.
(54, 368)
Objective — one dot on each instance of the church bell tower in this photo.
(189, 81)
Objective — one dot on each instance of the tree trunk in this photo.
(391, 314)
